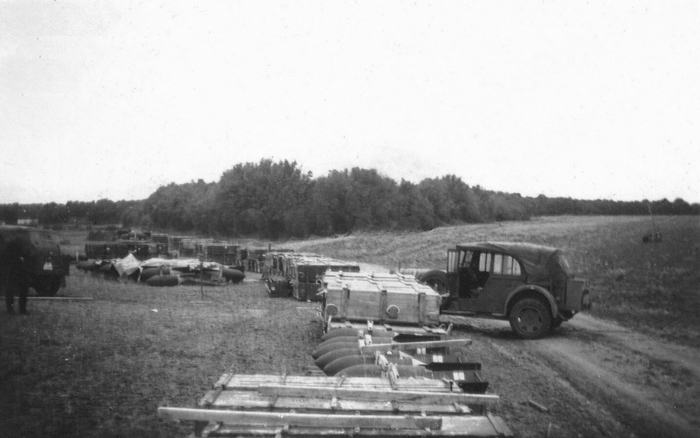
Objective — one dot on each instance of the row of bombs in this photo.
(158, 276)
(341, 353)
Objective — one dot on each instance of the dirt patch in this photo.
(596, 377)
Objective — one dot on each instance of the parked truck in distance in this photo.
(531, 286)
(46, 268)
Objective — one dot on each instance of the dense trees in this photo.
(99, 212)
(179, 207)
(267, 197)
(274, 199)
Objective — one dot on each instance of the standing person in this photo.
(14, 276)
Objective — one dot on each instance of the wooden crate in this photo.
(392, 298)
(315, 406)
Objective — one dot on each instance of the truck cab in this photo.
(46, 268)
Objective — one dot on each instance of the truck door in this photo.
(498, 275)
(451, 272)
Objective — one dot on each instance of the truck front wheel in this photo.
(530, 318)
(48, 286)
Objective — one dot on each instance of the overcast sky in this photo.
(563, 98)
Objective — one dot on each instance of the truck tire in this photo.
(47, 287)
(530, 318)
(163, 280)
(233, 275)
(86, 265)
(436, 279)
(152, 272)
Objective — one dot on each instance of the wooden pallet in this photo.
(369, 327)
(323, 406)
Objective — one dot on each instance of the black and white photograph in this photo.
(351, 218)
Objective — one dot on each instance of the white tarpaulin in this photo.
(128, 265)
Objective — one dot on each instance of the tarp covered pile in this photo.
(164, 272)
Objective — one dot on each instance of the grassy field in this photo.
(652, 287)
(102, 367)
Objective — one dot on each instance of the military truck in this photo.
(531, 286)
(299, 274)
(45, 266)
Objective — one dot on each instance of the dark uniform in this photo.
(14, 275)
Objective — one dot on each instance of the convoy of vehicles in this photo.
(381, 331)
(531, 286)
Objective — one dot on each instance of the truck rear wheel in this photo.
(530, 318)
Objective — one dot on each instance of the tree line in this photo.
(275, 199)
(100, 212)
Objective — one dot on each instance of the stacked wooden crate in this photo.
(279, 405)
(392, 298)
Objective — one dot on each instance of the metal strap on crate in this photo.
(344, 301)
(383, 303)
(421, 307)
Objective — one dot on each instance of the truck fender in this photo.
(533, 290)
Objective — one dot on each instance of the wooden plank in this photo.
(499, 425)
(454, 426)
(252, 382)
(461, 408)
(539, 406)
(421, 307)
(33, 298)
(209, 397)
(302, 420)
(373, 394)
(385, 328)
(393, 376)
(247, 400)
(414, 345)
(223, 380)
(219, 386)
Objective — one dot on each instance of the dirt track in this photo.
(595, 377)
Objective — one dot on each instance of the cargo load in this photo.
(381, 298)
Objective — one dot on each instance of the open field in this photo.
(101, 367)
